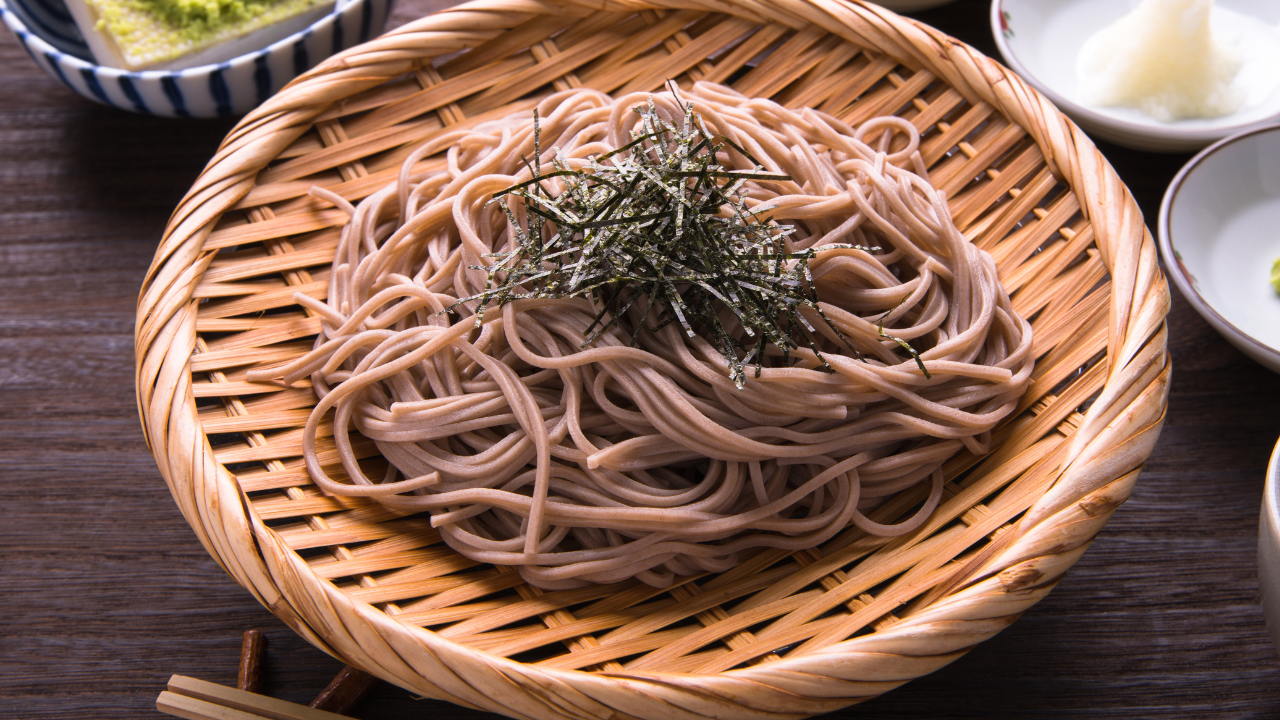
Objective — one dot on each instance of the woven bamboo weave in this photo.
(783, 635)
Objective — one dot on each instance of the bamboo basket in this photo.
(784, 635)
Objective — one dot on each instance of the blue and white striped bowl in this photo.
(234, 87)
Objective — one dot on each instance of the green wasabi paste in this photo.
(1275, 275)
(195, 19)
(152, 31)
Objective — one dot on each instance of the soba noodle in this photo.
(602, 463)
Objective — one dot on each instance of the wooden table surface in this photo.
(105, 592)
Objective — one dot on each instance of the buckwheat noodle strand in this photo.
(597, 464)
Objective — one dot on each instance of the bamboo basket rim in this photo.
(1101, 450)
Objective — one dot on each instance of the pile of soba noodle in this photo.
(597, 464)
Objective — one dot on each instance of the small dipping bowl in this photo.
(1269, 548)
(49, 35)
(1219, 234)
(1041, 41)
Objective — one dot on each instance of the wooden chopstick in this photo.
(193, 709)
(345, 691)
(199, 700)
(253, 652)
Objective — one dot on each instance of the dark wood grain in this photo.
(105, 591)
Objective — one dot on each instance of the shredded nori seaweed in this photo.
(660, 222)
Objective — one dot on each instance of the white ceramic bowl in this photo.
(1041, 40)
(1219, 234)
(1269, 548)
(49, 35)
